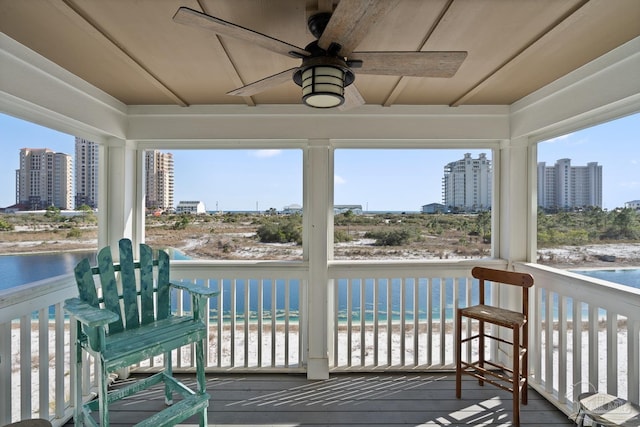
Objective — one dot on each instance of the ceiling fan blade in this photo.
(264, 84)
(352, 98)
(187, 16)
(351, 21)
(416, 64)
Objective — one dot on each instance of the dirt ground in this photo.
(237, 241)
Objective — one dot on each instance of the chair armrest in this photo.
(195, 288)
(87, 314)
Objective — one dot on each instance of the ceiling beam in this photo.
(228, 64)
(75, 13)
(402, 81)
(486, 79)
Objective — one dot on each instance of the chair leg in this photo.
(202, 382)
(103, 401)
(78, 414)
(458, 355)
(516, 376)
(168, 370)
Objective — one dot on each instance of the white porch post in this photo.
(318, 207)
(516, 186)
(121, 194)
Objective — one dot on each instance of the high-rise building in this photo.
(466, 185)
(86, 173)
(159, 180)
(44, 179)
(563, 186)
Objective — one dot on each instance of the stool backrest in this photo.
(523, 280)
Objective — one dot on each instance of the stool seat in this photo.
(495, 315)
(607, 410)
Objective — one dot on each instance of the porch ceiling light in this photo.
(323, 79)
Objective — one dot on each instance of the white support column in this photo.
(318, 207)
(515, 187)
(121, 201)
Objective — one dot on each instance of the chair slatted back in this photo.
(137, 305)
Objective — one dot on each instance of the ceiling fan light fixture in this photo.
(323, 86)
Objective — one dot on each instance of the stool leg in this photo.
(516, 376)
(525, 362)
(458, 355)
(481, 348)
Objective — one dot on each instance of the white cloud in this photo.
(266, 153)
(337, 179)
(559, 138)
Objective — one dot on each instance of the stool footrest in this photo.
(484, 374)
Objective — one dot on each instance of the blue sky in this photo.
(263, 179)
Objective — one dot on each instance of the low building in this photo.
(434, 208)
(191, 206)
(339, 209)
(634, 204)
(292, 209)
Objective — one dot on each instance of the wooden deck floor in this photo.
(420, 399)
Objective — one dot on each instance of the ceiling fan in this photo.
(328, 63)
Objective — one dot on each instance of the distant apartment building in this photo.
(466, 184)
(564, 187)
(159, 180)
(44, 179)
(191, 207)
(86, 173)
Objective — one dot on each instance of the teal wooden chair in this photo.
(126, 318)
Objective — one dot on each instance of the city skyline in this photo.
(264, 179)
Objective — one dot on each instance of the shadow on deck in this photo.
(386, 399)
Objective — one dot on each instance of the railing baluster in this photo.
(416, 322)
(349, 320)
(234, 313)
(633, 360)
(25, 366)
(562, 349)
(376, 320)
(5, 373)
(403, 315)
(287, 315)
(548, 341)
(274, 343)
(43, 362)
(577, 349)
(389, 361)
(363, 340)
(593, 346)
(247, 320)
(612, 353)
(429, 321)
(260, 329)
(59, 361)
(443, 312)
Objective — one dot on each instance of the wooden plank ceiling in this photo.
(134, 51)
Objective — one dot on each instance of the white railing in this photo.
(398, 326)
(257, 320)
(586, 335)
(35, 356)
(400, 315)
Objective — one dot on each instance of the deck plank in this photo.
(393, 399)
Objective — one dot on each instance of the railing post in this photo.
(318, 207)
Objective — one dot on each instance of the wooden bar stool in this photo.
(512, 379)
